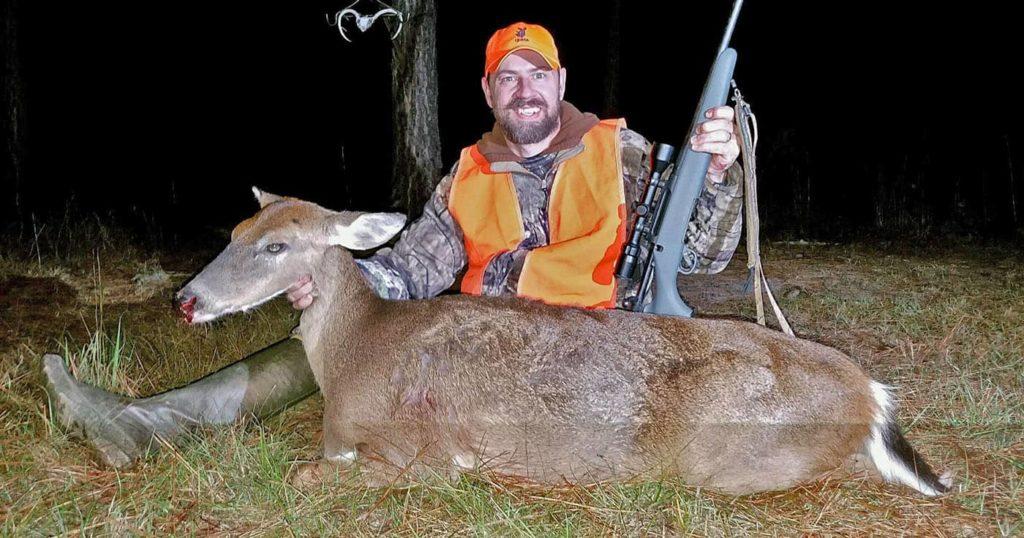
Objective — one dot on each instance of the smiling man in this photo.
(525, 94)
(537, 208)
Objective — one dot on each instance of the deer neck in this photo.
(343, 298)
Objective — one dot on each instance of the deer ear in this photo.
(363, 231)
(265, 198)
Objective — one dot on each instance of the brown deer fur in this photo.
(552, 394)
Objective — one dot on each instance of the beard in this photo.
(527, 132)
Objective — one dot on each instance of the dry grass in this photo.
(944, 325)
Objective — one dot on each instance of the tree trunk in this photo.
(14, 112)
(417, 142)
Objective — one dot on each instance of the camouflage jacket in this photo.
(430, 254)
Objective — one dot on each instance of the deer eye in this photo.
(275, 248)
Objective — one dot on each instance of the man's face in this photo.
(525, 99)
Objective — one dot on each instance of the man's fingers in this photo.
(713, 136)
(301, 292)
(303, 302)
(300, 282)
(716, 125)
(722, 112)
(726, 149)
(297, 293)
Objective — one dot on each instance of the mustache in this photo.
(520, 102)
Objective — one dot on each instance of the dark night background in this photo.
(877, 118)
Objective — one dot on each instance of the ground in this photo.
(943, 323)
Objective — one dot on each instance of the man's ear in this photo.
(486, 85)
(363, 231)
(561, 84)
(265, 198)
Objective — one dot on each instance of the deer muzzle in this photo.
(186, 305)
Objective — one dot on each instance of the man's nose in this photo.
(525, 88)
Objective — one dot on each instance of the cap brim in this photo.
(536, 58)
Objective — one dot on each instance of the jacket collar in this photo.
(567, 143)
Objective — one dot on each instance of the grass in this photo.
(946, 326)
(100, 361)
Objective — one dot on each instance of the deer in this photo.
(548, 394)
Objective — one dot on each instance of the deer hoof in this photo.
(314, 474)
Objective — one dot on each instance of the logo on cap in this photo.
(516, 36)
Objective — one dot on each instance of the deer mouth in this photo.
(188, 309)
(204, 313)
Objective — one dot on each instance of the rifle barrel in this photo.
(736, 5)
(680, 193)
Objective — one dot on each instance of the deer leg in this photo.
(122, 429)
(338, 456)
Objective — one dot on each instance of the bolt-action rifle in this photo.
(663, 213)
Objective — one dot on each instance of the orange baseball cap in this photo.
(520, 36)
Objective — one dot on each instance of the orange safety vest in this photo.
(586, 221)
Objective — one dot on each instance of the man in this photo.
(537, 208)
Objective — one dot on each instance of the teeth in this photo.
(529, 111)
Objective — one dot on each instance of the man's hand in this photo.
(301, 292)
(717, 137)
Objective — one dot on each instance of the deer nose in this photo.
(185, 303)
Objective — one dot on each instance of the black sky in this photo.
(175, 108)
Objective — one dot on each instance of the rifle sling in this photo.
(746, 130)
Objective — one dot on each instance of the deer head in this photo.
(272, 249)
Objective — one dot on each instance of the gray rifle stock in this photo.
(679, 197)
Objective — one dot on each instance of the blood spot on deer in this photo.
(420, 398)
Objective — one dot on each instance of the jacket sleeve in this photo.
(714, 229)
(427, 257)
(717, 222)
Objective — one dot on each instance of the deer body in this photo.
(559, 394)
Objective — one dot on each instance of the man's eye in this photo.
(540, 75)
(275, 248)
(505, 80)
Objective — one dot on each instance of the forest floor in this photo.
(942, 323)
